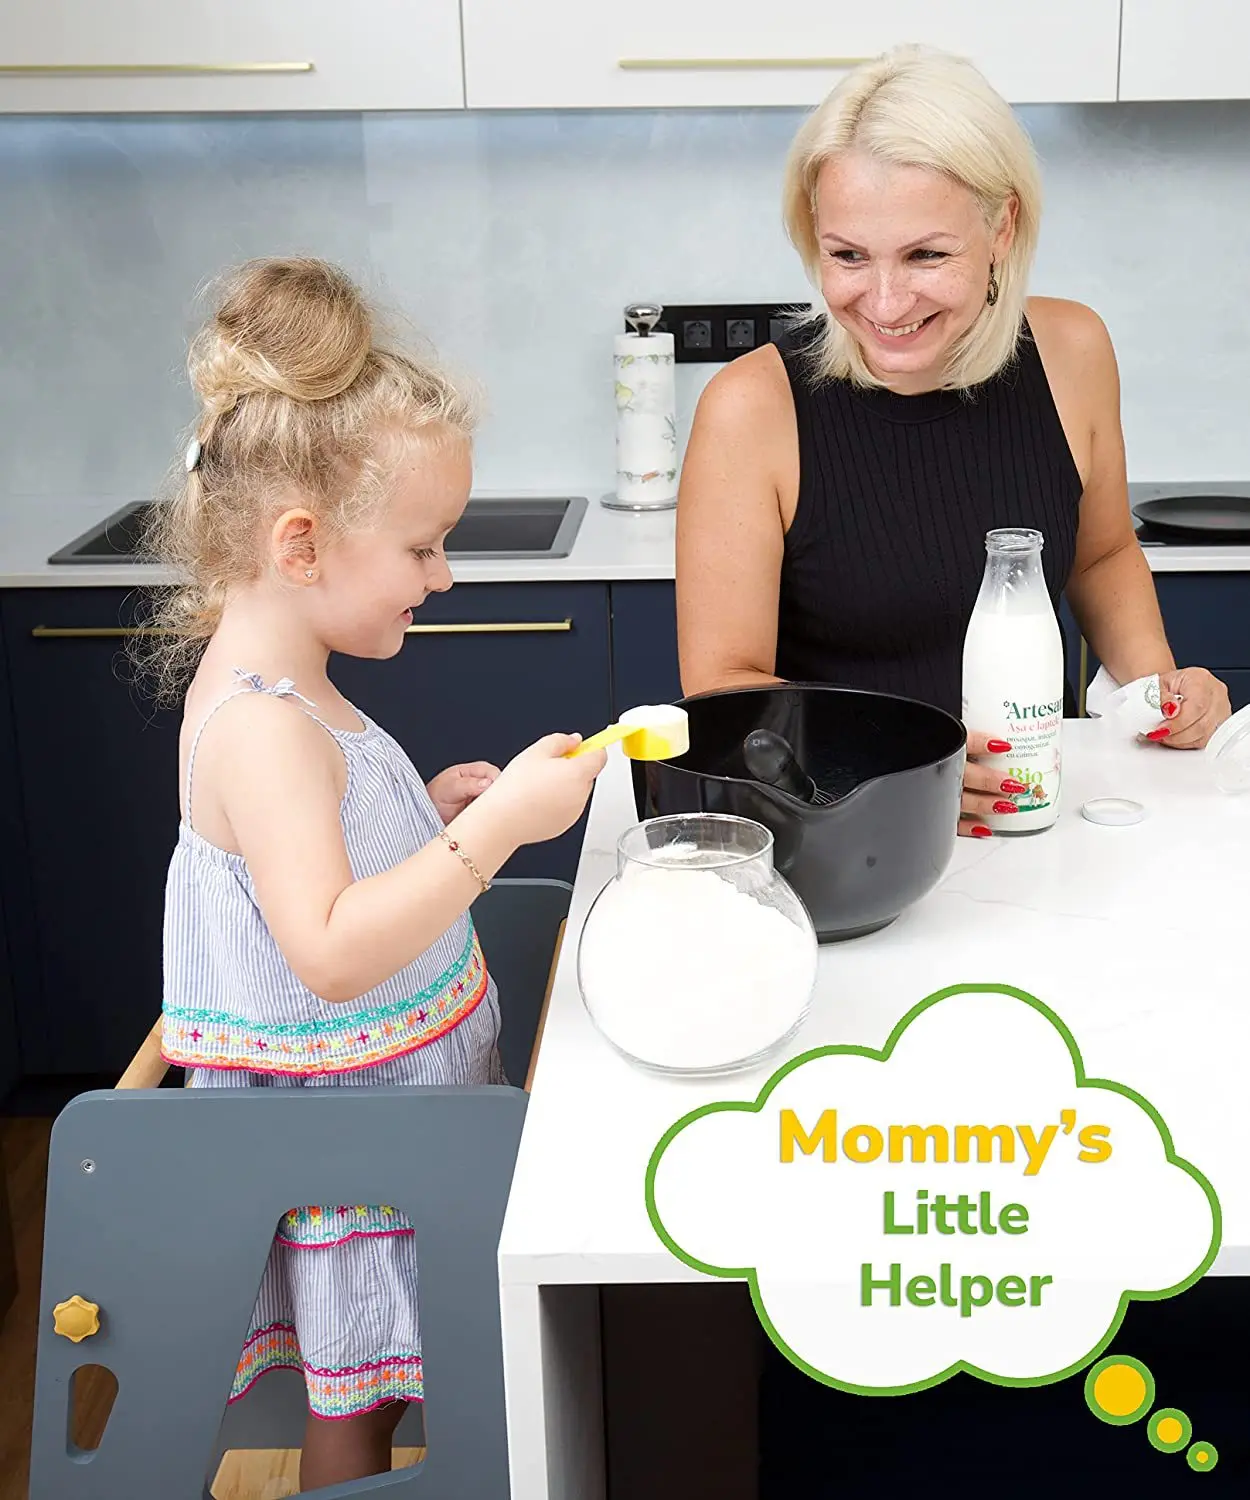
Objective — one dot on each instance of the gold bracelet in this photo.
(468, 863)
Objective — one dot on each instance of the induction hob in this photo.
(1149, 536)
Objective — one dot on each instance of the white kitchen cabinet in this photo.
(652, 53)
(190, 56)
(1185, 49)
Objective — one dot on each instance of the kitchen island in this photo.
(1133, 935)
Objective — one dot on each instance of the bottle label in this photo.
(1035, 761)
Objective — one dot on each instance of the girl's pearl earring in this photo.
(309, 573)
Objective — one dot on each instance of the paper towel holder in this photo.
(643, 316)
(646, 414)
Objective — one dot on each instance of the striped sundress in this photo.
(338, 1299)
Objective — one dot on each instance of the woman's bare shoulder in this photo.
(1068, 331)
(753, 386)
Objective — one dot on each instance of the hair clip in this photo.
(194, 451)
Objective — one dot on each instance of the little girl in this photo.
(317, 932)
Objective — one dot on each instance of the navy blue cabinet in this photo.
(97, 771)
(644, 644)
(12, 876)
(92, 782)
(502, 665)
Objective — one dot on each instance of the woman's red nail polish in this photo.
(1012, 786)
(1170, 710)
(997, 747)
(1005, 807)
(1158, 734)
(980, 831)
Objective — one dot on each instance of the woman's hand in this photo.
(1195, 704)
(985, 790)
(452, 790)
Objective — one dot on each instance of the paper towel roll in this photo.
(646, 423)
(1136, 708)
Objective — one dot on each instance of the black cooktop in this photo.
(1202, 514)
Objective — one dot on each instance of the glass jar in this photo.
(698, 957)
(1228, 752)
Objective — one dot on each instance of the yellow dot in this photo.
(1201, 1456)
(1169, 1430)
(1119, 1390)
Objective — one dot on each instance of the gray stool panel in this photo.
(517, 921)
(153, 1234)
(169, 1234)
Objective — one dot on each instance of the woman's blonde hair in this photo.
(298, 397)
(917, 107)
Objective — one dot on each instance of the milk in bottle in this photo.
(1013, 680)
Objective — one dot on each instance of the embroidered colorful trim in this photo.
(320, 1225)
(332, 1394)
(194, 1038)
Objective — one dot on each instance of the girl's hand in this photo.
(1195, 704)
(539, 793)
(984, 787)
(452, 790)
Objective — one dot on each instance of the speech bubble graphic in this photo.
(963, 1199)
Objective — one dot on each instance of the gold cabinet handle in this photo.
(510, 627)
(728, 64)
(120, 632)
(94, 632)
(149, 70)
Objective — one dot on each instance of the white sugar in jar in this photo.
(698, 957)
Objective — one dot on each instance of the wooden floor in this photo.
(251, 1476)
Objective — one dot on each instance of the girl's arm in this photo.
(730, 535)
(278, 778)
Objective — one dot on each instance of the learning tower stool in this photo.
(161, 1208)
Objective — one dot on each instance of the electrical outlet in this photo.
(740, 333)
(713, 333)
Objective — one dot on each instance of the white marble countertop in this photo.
(1134, 936)
(610, 545)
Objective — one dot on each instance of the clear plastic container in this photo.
(1228, 751)
(698, 957)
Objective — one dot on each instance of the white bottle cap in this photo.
(1113, 811)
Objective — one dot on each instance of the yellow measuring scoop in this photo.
(656, 731)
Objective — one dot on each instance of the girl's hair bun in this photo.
(296, 327)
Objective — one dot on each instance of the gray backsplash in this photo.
(513, 241)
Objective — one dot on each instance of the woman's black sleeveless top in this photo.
(886, 552)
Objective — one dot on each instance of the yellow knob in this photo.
(76, 1320)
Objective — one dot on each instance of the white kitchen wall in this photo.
(515, 240)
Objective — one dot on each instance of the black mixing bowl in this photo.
(888, 774)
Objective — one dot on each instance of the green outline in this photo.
(1202, 1468)
(749, 1274)
(1103, 1415)
(1187, 1429)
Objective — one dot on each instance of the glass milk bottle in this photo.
(1013, 680)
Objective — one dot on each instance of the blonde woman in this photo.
(837, 490)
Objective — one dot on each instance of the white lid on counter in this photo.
(1114, 812)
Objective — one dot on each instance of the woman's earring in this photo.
(310, 572)
(991, 295)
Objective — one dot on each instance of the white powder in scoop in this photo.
(681, 969)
